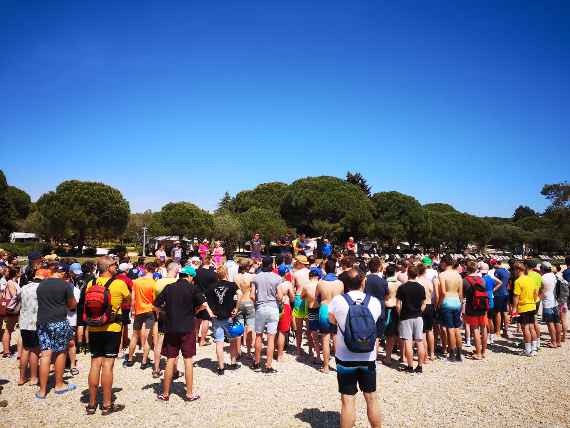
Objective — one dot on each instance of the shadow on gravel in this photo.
(207, 363)
(317, 418)
(85, 395)
(177, 388)
(4, 381)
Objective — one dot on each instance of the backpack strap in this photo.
(366, 300)
(348, 299)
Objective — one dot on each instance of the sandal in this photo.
(39, 397)
(74, 371)
(192, 397)
(111, 409)
(155, 374)
(91, 410)
(68, 388)
(162, 397)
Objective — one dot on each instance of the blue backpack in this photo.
(360, 328)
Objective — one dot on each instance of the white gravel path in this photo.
(506, 389)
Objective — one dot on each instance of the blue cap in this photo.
(75, 268)
(316, 272)
(283, 269)
(34, 255)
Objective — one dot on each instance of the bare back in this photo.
(327, 290)
(286, 289)
(309, 294)
(428, 286)
(450, 284)
(301, 279)
(243, 280)
(390, 298)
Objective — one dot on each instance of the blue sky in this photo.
(461, 102)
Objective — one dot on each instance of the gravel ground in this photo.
(506, 389)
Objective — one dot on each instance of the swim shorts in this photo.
(349, 374)
(299, 307)
(285, 316)
(325, 327)
(428, 316)
(54, 336)
(313, 318)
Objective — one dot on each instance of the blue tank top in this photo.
(490, 284)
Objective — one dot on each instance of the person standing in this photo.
(550, 311)
(144, 317)
(327, 249)
(501, 297)
(411, 302)
(28, 322)
(223, 300)
(355, 368)
(524, 302)
(176, 252)
(377, 286)
(206, 278)
(160, 254)
(476, 307)
(55, 298)
(179, 301)
(256, 246)
(105, 340)
(450, 298)
(265, 294)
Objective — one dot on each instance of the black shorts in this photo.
(500, 304)
(146, 319)
(203, 315)
(351, 373)
(527, 317)
(104, 344)
(428, 317)
(161, 322)
(29, 339)
(391, 323)
(126, 316)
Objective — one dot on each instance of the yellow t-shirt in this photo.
(119, 293)
(161, 283)
(143, 295)
(524, 288)
(537, 279)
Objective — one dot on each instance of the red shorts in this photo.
(285, 320)
(475, 320)
(175, 342)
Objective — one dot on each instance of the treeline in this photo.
(79, 212)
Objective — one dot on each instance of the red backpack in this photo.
(479, 295)
(97, 309)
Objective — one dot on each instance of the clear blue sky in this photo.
(465, 102)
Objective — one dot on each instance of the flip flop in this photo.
(39, 397)
(91, 410)
(193, 397)
(23, 383)
(162, 397)
(68, 388)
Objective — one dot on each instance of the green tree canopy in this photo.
(186, 219)
(267, 196)
(20, 200)
(358, 180)
(398, 216)
(524, 211)
(558, 194)
(440, 208)
(310, 200)
(228, 229)
(226, 204)
(440, 229)
(79, 210)
(264, 221)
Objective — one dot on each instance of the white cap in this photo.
(125, 267)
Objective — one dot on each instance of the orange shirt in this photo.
(143, 295)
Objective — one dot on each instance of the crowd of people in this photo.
(359, 310)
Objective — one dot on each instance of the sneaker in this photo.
(255, 367)
(409, 369)
(220, 372)
(451, 358)
(128, 363)
(418, 369)
(533, 354)
(458, 356)
(269, 370)
(146, 365)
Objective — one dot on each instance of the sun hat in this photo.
(302, 259)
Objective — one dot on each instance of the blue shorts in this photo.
(325, 327)
(221, 329)
(501, 303)
(54, 336)
(451, 318)
(551, 315)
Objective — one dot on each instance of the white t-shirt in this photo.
(72, 315)
(339, 308)
(431, 274)
(548, 286)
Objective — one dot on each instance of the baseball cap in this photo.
(34, 255)
(75, 268)
(62, 268)
(188, 270)
(267, 261)
(546, 265)
(302, 259)
(484, 268)
(493, 262)
(427, 261)
(124, 267)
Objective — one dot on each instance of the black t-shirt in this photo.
(222, 298)
(411, 294)
(179, 300)
(205, 278)
(53, 294)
